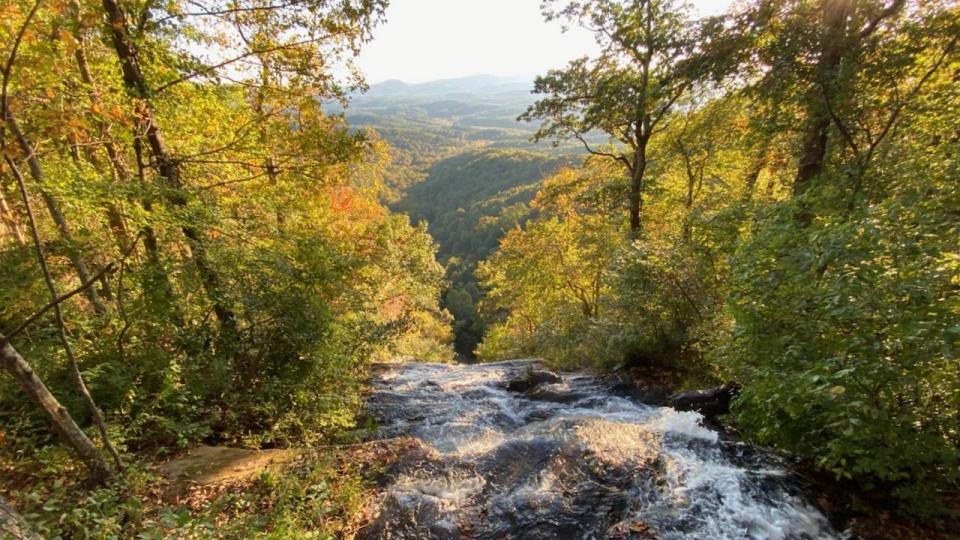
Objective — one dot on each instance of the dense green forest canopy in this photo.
(462, 163)
(470, 200)
(194, 247)
(427, 122)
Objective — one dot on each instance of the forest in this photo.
(205, 244)
(469, 201)
(777, 206)
(194, 249)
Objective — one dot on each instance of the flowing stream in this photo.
(568, 460)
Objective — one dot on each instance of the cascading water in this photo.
(568, 460)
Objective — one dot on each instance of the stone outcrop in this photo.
(710, 403)
(533, 379)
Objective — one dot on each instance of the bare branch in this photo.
(238, 180)
(204, 12)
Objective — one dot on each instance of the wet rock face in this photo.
(653, 395)
(532, 379)
(567, 459)
(710, 403)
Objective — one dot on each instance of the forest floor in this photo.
(345, 490)
(209, 492)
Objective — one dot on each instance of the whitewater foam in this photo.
(573, 461)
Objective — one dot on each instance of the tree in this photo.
(8, 121)
(63, 424)
(61, 420)
(62, 325)
(628, 91)
(304, 276)
(841, 299)
(305, 34)
(167, 165)
(550, 280)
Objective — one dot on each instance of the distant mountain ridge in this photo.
(436, 119)
(459, 86)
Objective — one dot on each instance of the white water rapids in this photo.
(568, 460)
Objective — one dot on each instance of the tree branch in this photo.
(218, 12)
(669, 104)
(8, 67)
(209, 69)
(615, 157)
(891, 10)
(913, 92)
(108, 269)
(61, 324)
(841, 127)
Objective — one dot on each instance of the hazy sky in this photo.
(435, 39)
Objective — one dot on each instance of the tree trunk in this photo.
(61, 324)
(814, 150)
(159, 280)
(753, 174)
(12, 524)
(636, 186)
(692, 190)
(10, 220)
(167, 166)
(63, 423)
(118, 170)
(261, 110)
(54, 208)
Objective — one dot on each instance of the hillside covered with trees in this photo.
(469, 201)
(461, 162)
(427, 122)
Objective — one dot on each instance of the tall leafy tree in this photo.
(627, 91)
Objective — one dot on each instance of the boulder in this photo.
(648, 395)
(710, 403)
(546, 394)
(533, 379)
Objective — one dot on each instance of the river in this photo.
(568, 460)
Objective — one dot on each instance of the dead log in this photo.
(12, 524)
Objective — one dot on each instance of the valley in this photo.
(464, 164)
